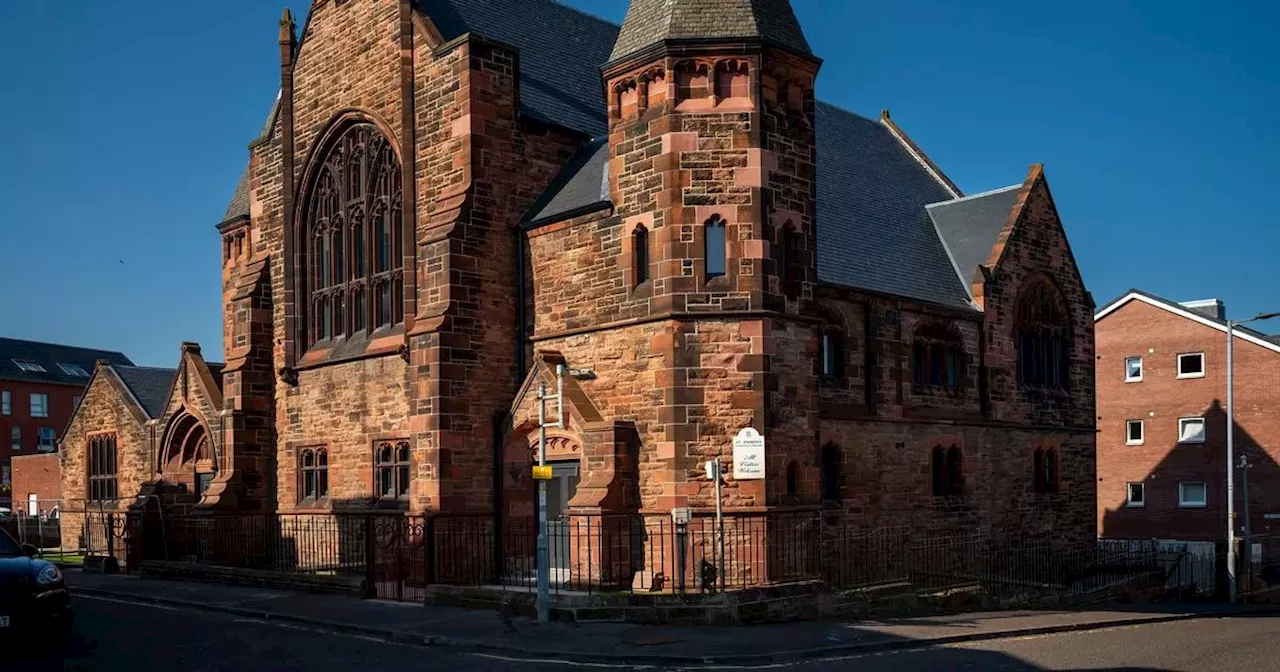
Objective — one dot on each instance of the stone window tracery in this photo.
(1042, 336)
(353, 264)
(391, 470)
(314, 471)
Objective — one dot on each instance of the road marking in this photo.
(153, 605)
(567, 663)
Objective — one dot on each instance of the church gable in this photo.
(194, 387)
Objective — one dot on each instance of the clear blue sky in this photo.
(1156, 119)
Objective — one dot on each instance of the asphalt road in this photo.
(112, 635)
(1223, 645)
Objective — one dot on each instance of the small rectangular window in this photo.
(1133, 433)
(39, 405)
(73, 370)
(15, 438)
(1190, 430)
(48, 440)
(1136, 495)
(832, 356)
(75, 403)
(640, 241)
(1133, 370)
(1191, 365)
(29, 366)
(1192, 495)
(6, 403)
(714, 248)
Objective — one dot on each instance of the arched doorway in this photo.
(187, 457)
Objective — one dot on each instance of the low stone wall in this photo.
(306, 583)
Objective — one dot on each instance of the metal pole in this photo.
(1244, 485)
(560, 396)
(719, 550)
(544, 573)
(1231, 432)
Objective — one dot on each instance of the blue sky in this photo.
(1156, 120)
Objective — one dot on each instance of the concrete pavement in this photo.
(489, 632)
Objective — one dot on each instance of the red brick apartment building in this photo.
(451, 198)
(1162, 422)
(41, 385)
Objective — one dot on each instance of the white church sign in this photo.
(748, 455)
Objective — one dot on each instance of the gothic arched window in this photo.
(937, 357)
(1042, 336)
(353, 266)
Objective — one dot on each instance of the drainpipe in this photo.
(521, 367)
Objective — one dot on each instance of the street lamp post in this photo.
(1231, 459)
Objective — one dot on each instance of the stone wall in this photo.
(105, 409)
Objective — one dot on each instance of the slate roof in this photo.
(649, 22)
(239, 205)
(871, 216)
(561, 51)
(216, 370)
(149, 385)
(581, 187)
(969, 226)
(48, 356)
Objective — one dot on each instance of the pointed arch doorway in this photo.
(187, 457)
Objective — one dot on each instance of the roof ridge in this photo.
(585, 13)
(1001, 190)
(1241, 331)
(842, 108)
(61, 345)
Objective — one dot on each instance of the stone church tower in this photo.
(711, 163)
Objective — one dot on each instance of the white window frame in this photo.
(1128, 434)
(1203, 365)
(1128, 495)
(1203, 428)
(1132, 379)
(44, 404)
(1184, 503)
(6, 402)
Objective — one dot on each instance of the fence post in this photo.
(429, 547)
(110, 532)
(370, 573)
(681, 550)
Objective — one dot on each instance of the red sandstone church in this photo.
(451, 198)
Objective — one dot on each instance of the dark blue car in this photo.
(34, 603)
